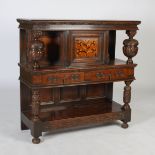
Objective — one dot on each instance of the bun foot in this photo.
(36, 140)
(125, 125)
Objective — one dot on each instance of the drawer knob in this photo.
(52, 79)
(75, 77)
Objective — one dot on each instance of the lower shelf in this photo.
(77, 114)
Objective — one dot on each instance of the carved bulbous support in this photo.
(127, 96)
(35, 104)
(130, 48)
(36, 51)
(126, 107)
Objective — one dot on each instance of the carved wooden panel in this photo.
(86, 47)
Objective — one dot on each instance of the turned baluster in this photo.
(127, 95)
(130, 48)
(126, 106)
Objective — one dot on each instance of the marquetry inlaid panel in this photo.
(86, 47)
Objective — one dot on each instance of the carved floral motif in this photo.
(36, 51)
(85, 48)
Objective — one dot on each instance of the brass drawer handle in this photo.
(52, 79)
(100, 75)
(120, 73)
(75, 77)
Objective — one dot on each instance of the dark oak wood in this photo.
(77, 24)
(67, 71)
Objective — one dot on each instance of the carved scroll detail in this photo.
(35, 104)
(130, 48)
(85, 48)
(127, 95)
(36, 51)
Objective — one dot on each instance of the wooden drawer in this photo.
(58, 79)
(70, 78)
(52, 79)
(109, 75)
(80, 77)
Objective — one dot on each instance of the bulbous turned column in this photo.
(126, 107)
(130, 48)
(36, 51)
(127, 96)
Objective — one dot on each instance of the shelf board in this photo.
(77, 113)
(112, 64)
(82, 108)
(116, 63)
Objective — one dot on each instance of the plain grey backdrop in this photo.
(139, 138)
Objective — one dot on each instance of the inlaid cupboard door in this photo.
(88, 48)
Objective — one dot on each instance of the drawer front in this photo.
(52, 79)
(81, 77)
(71, 78)
(109, 75)
(58, 79)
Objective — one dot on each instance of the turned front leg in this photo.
(35, 131)
(35, 104)
(126, 107)
(130, 50)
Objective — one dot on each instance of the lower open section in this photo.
(76, 114)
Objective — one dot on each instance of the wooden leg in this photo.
(126, 107)
(36, 129)
(124, 125)
(36, 140)
(36, 132)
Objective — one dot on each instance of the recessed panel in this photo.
(46, 95)
(95, 91)
(87, 48)
(69, 93)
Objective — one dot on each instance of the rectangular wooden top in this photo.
(47, 24)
